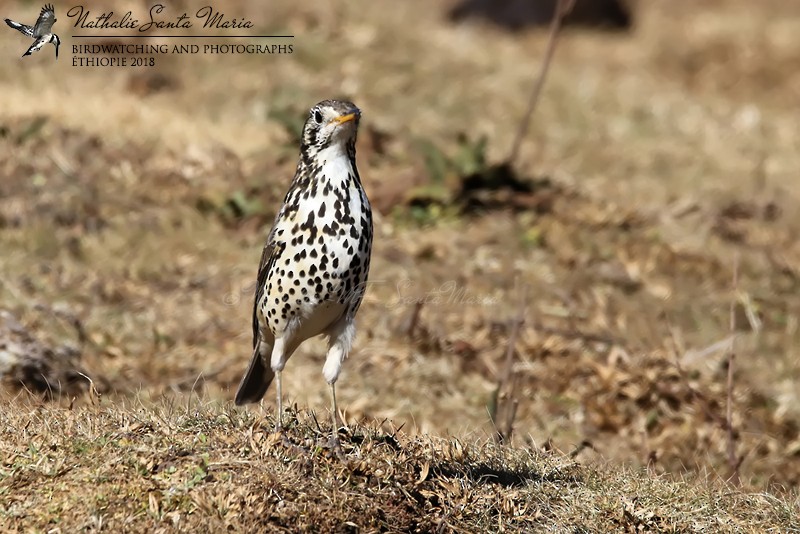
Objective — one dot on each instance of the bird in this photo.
(314, 265)
(41, 31)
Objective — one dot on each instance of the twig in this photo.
(506, 384)
(411, 327)
(562, 9)
(733, 462)
(511, 410)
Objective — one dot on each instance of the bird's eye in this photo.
(318, 117)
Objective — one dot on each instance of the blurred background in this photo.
(649, 222)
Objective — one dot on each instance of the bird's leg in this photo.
(341, 336)
(277, 362)
(279, 417)
(334, 418)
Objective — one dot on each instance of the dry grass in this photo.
(179, 464)
(656, 157)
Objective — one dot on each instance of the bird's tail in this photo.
(257, 378)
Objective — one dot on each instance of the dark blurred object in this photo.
(518, 14)
(146, 83)
(27, 363)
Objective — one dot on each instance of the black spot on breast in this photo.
(309, 223)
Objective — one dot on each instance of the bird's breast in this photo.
(323, 265)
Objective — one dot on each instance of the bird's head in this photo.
(56, 42)
(331, 123)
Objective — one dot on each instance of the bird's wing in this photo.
(45, 21)
(271, 252)
(23, 28)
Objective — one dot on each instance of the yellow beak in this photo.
(341, 119)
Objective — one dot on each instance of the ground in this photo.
(649, 226)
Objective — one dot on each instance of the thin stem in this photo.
(562, 9)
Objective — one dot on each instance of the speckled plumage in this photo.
(315, 262)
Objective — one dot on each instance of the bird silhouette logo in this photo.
(41, 32)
